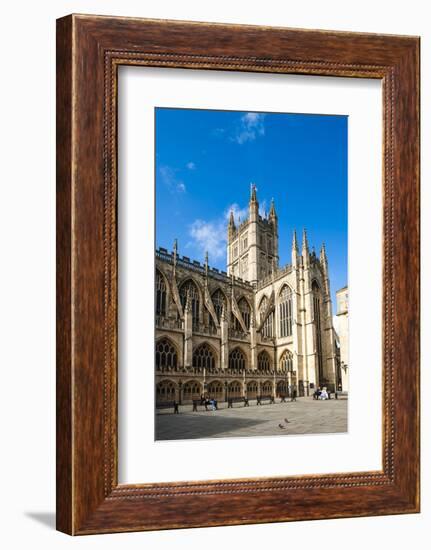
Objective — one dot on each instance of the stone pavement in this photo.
(306, 416)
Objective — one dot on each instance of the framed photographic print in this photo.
(237, 274)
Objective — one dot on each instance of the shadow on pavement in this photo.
(170, 427)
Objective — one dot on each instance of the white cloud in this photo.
(250, 127)
(238, 212)
(169, 178)
(252, 118)
(191, 165)
(263, 208)
(209, 236)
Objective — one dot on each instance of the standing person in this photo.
(293, 398)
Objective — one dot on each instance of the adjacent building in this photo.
(343, 337)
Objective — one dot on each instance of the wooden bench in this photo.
(261, 398)
(232, 400)
(168, 405)
(203, 403)
(341, 394)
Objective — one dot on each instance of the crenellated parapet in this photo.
(163, 255)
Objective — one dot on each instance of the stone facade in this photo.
(256, 329)
(343, 334)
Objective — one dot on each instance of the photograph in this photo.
(251, 274)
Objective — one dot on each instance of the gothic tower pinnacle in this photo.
(253, 197)
(305, 248)
(253, 204)
(272, 213)
(295, 252)
(323, 258)
(231, 227)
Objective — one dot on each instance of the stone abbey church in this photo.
(257, 329)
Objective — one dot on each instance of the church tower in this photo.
(252, 246)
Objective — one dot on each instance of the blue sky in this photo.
(206, 160)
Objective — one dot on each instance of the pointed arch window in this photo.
(166, 391)
(286, 361)
(245, 312)
(203, 357)
(186, 288)
(267, 328)
(246, 315)
(237, 360)
(266, 388)
(263, 362)
(160, 294)
(285, 312)
(192, 390)
(166, 354)
(234, 389)
(218, 301)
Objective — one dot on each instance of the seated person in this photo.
(213, 404)
(323, 394)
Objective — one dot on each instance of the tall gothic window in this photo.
(316, 315)
(245, 243)
(246, 315)
(160, 294)
(263, 362)
(237, 360)
(286, 361)
(285, 310)
(203, 357)
(189, 286)
(245, 312)
(166, 355)
(218, 302)
(267, 329)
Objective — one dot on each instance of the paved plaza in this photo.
(305, 416)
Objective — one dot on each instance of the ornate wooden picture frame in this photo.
(89, 51)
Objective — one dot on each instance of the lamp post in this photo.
(204, 385)
(180, 385)
(344, 367)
